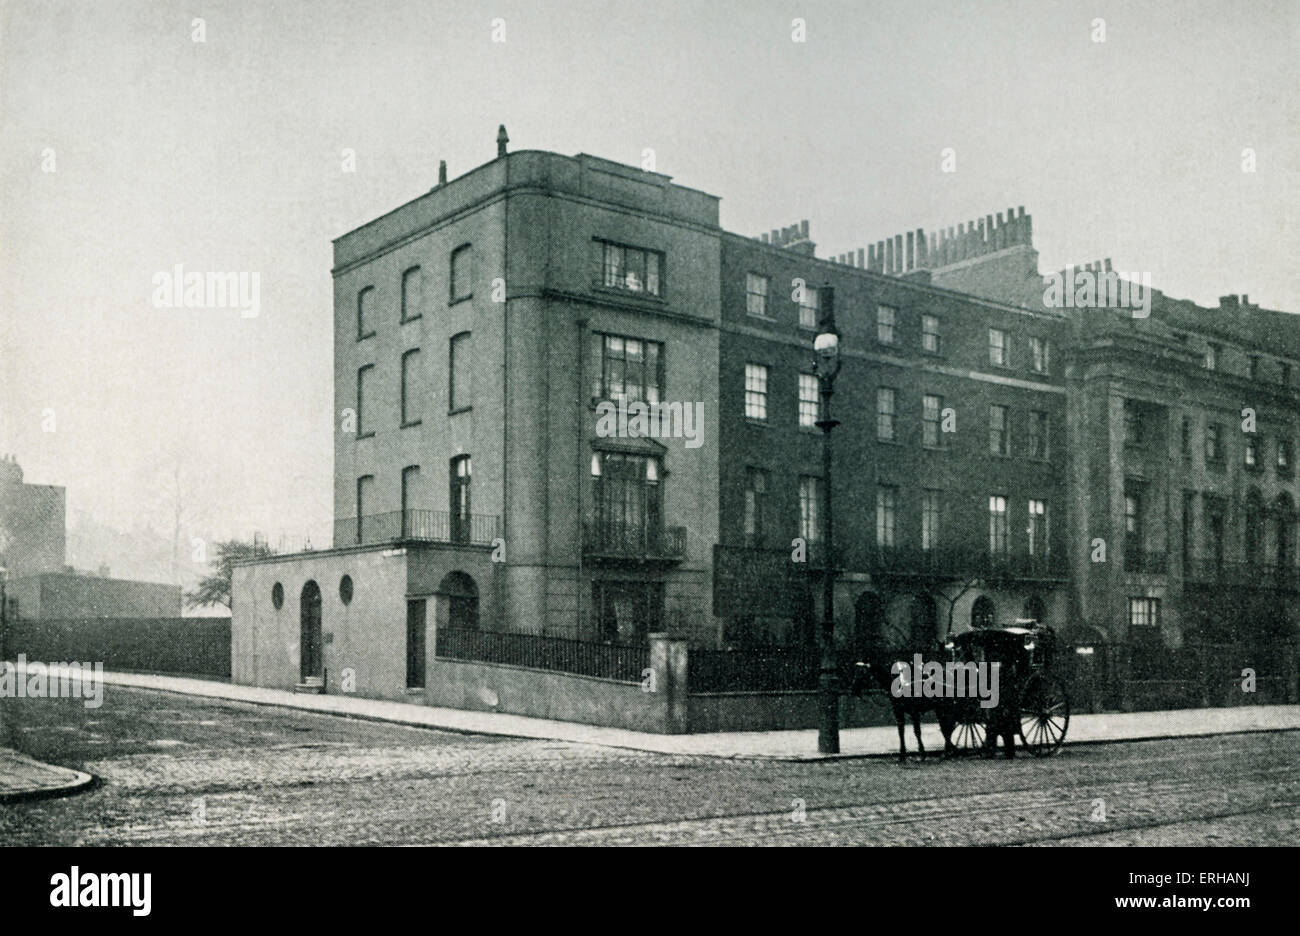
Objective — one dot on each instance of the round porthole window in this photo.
(345, 589)
(277, 595)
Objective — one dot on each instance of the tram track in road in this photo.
(958, 815)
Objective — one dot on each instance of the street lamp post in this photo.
(827, 365)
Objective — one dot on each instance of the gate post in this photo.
(668, 690)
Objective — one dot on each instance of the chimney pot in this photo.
(502, 140)
(442, 172)
(803, 227)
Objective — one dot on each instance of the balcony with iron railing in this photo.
(1209, 570)
(953, 562)
(604, 540)
(418, 526)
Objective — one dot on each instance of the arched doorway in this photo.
(982, 613)
(461, 595)
(311, 663)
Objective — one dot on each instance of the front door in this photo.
(312, 664)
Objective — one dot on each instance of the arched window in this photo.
(460, 376)
(982, 612)
(366, 313)
(412, 294)
(462, 272)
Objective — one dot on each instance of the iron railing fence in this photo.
(633, 541)
(621, 662)
(428, 526)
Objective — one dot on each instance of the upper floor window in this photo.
(1284, 456)
(810, 496)
(412, 294)
(886, 502)
(628, 493)
(1213, 443)
(755, 505)
(630, 367)
(411, 387)
(886, 319)
(756, 392)
(1186, 445)
(1211, 357)
(1253, 367)
(997, 525)
(807, 400)
(365, 487)
(930, 340)
(1250, 453)
(999, 432)
(931, 512)
(1041, 352)
(997, 347)
(1284, 373)
(885, 411)
(366, 313)
(364, 375)
(462, 272)
(460, 391)
(631, 268)
(1037, 529)
(1134, 427)
(756, 295)
(931, 410)
(809, 307)
(1038, 434)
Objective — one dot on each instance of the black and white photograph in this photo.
(607, 423)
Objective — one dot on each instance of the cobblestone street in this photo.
(182, 770)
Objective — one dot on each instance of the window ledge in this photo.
(457, 300)
(369, 334)
(413, 422)
(599, 286)
(761, 318)
(412, 318)
(459, 409)
(757, 422)
(365, 435)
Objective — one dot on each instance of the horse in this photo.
(881, 674)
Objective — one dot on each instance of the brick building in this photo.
(988, 438)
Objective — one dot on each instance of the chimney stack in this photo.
(442, 172)
(502, 140)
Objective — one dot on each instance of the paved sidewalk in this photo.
(784, 745)
(21, 777)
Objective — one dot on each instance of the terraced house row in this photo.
(997, 458)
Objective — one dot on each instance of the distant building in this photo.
(32, 535)
(32, 549)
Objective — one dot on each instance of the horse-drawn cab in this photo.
(1024, 653)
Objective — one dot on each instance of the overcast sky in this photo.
(226, 155)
